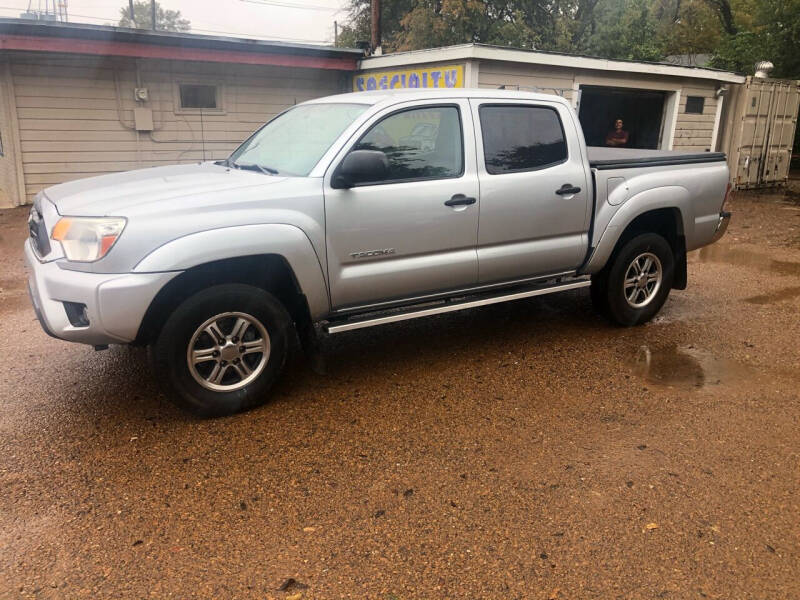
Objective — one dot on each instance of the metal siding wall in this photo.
(762, 128)
(76, 121)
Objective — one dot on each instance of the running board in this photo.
(415, 313)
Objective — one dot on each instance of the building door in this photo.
(642, 112)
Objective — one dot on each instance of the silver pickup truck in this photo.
(355, 210)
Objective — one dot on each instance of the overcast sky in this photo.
(304, 21)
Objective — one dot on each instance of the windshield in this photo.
(293, 142)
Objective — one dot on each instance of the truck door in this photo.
(415, 232)
(535, 191)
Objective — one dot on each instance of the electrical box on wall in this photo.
(143, 119)
(141, 94)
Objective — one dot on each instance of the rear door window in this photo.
(521, 138)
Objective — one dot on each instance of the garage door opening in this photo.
(642, 112)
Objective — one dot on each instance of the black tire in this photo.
(608, 292)
(170, 351)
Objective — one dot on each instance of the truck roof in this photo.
(410, 94)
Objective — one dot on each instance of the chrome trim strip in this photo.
(339, 328)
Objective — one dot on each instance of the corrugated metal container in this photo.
(760, 131)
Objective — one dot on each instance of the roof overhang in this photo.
(553, 59)
(19, 35)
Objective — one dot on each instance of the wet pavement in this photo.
(526, 450)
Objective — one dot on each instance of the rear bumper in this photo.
(722, 225)
(115, 303)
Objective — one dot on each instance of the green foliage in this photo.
(626, 29)
(773, 34)
(166, 20)
(736, 32)
(358, 28)
(687, 27)
(448, 22)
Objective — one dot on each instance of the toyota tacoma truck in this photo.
(331, 218)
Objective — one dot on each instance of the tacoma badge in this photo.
(367, 253)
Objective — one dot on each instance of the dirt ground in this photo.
(527, 450)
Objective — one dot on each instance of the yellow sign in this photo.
(451, 76)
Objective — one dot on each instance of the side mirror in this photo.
(360, 166)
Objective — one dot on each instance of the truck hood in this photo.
(114, 194)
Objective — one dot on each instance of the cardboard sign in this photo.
(450, 76)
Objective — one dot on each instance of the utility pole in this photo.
(376, 24)
(336, 34)
(133, 17)
(153, 13)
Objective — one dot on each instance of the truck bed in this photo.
(628, 158)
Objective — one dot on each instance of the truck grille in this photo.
(38, 232)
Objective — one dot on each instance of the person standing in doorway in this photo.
(617, 137)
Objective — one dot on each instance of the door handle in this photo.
(567, 189)
(460, 200)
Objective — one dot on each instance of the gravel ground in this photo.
(527, 450)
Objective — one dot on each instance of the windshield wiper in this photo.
(254, 167)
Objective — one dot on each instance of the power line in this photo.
(291, 5)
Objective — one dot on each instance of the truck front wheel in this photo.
(221, 350)
(633, 287)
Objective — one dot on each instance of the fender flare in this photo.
(287, 241)
(672, 196)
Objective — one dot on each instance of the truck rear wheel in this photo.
(222, 349)
(633, 287)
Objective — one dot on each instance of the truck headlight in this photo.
(86, 239)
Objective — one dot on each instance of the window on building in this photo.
(694, 104)
(198, 96)
(423, 143)
(521, 138)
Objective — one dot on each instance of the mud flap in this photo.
(681, 277)
(311, 341)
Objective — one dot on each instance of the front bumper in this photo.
(722, 225)
(115, 303)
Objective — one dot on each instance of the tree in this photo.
(448, 22)
(736, 32)
(166, 20)
(772, 33)
(626, 29)
(358, 28)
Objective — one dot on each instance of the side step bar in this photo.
(416, 312)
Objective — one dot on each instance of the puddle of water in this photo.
(774, 297)
(720, 253)
(683, 366)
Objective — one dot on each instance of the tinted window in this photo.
(198, 96)
(694, 104)
(521, 138)
(422, 143)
